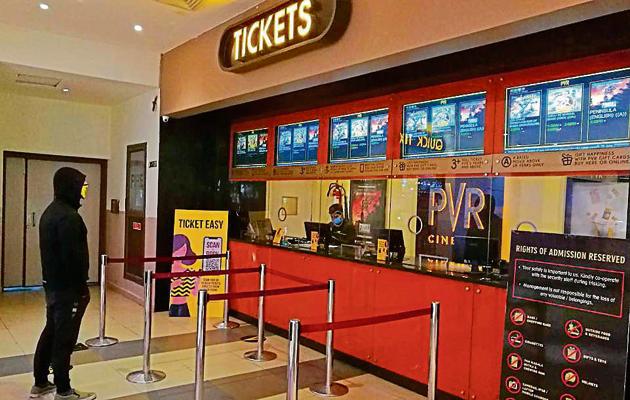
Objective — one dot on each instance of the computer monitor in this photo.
(263, 228)
(322, 228)
(396, 242)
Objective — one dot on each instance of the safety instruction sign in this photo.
(198, 233)
(566, 325)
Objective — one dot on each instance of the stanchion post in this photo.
(260, 354)
(147, 375)
(200, 355)
(226, 323)
(329, 388)
(294, 359)
(102, 340)
(433, 350)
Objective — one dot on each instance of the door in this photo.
(39, 190)
(13, 222)
(28, 191)
(135, 209)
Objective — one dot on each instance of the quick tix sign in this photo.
(281, 30)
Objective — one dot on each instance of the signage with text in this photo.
(566, 325)
(288, 26)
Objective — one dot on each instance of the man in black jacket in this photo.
(65, 263)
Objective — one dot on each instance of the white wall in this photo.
(134, 122)
(37, 125)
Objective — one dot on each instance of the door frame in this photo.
(53, 157)
(130, 149)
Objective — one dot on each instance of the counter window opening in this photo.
(359, 137)
(447, 127)
(581, 112)
(452, 225)
(297, 144)
(250, 148)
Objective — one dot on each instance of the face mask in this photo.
(84, 190)
(337, 221)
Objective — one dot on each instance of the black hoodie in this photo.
(63, 235)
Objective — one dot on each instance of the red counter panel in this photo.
(471, 324)
(403, 346)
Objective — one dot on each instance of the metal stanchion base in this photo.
(98, 342)
(140, 377)
(251, 338)
(228, 325)
(264, 356)
(336, 389)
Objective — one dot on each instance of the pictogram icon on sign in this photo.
(514, 361)
(574, 329)
(506, 161)
(513, 385)
(517, 316)
(572, 353)
(566, 396)
(515, 339)
(570, 378)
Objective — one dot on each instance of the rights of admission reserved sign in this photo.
(566, 326)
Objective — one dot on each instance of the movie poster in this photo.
(608, 111)
(285, 144)
(313, 141)
(524, 120)
(564, 115)
(378, 134)
(299, 144)
(367, 202)
(339, 143)
(196, 233)
(359, 137)
(472, 117)
(443, 124)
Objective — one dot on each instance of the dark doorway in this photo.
(135, 202)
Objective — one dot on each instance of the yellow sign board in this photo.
(198, 233)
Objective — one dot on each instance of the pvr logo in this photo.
(472, 199)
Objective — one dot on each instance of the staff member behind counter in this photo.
(341, 230)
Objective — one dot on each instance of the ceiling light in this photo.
(43, 6)
(137, 28)
(65, 90)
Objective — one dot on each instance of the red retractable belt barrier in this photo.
(352, 323)
(268, 292)
(293, 277)
(163, 259)
(173, 275)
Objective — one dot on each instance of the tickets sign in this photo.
(566, 325)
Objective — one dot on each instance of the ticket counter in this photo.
(412, 198)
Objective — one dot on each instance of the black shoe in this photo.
(41, 391)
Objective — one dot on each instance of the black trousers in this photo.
(64, 312)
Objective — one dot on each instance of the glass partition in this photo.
(454, 225)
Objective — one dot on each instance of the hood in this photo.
(67, 184)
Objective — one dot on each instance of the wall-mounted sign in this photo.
(286, 27)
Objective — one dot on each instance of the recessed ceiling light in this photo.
(43, 6)
(138, 28)
(65, 90)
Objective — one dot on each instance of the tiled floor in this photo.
(227, 374)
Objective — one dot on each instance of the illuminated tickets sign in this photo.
(452, 126)
(288, 26)
(250, 148)
(590, 111)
